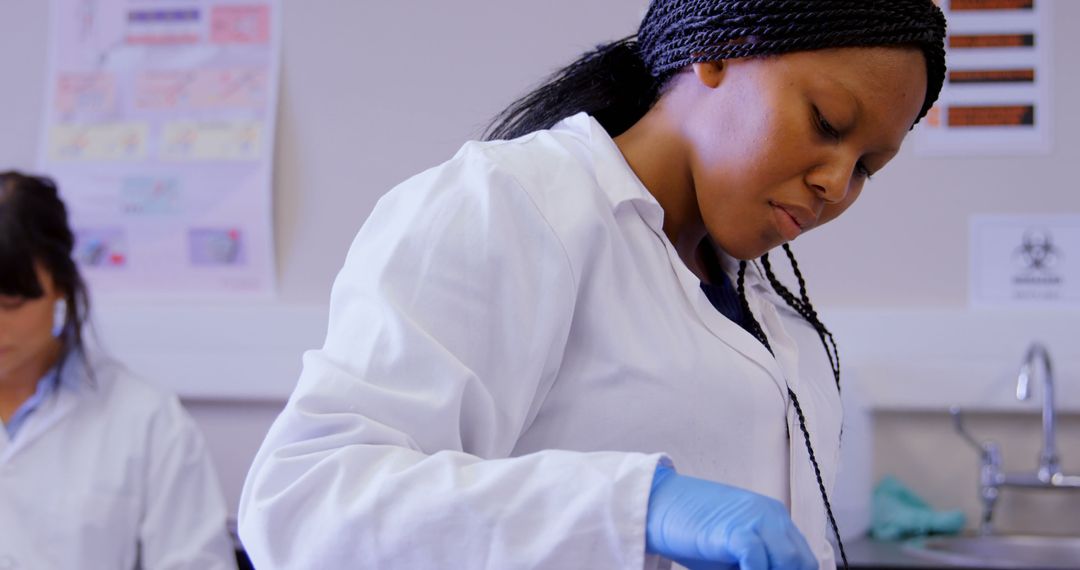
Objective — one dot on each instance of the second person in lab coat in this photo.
(556, 350)
(98, 469)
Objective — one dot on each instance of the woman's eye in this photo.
(830, 131)
(862, 170)
(825, 126)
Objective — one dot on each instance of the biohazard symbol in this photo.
(1037, 251)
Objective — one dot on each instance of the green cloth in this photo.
(897, 512)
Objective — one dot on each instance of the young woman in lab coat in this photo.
(97, 468)
(556, 350)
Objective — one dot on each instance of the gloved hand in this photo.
(709, 526)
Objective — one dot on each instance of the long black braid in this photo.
(804, 308)
(617, 84)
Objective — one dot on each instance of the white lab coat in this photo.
(110, 475)
(513, 345)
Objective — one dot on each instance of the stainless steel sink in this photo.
(1004, 551)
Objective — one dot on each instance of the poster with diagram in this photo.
(159, 130)
(997, 94)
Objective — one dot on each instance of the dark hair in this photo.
(34, 230)
(618, 82)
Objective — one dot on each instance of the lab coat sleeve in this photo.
(183, 525)
(447, 326)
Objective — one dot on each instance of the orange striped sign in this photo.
(978, 5)
(992, 116)
(962, 41)
(992, 76)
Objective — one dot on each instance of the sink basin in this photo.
(1004, 551)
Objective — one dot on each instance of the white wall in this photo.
(373, 92)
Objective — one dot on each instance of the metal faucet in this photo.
(1048, 475)
(1048, 457)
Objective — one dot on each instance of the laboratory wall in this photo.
(373, 92)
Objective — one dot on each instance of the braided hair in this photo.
(617, 83)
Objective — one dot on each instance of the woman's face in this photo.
(26, 331)
(781, 145)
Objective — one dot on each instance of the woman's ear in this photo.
(709, 73)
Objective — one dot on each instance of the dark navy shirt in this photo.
(723, 296)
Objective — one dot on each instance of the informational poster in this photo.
(997, 94)
(1025, 260)
(159, 131)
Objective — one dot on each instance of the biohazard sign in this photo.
(1025, 260)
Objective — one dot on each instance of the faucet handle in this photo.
(958, 425)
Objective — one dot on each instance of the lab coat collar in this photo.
(624, 189)
(618, 182)
(74, 384)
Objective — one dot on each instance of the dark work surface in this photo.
(868, 554)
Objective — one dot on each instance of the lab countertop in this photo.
(869, 554)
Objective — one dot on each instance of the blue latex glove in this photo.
(709, 526)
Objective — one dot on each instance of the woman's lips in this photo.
(787, 224)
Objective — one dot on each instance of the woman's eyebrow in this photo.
(848, 92)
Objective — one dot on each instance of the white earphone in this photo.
(60, 311)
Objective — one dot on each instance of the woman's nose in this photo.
(831, 180)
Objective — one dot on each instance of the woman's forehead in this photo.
(873, 79)
(859, 64)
